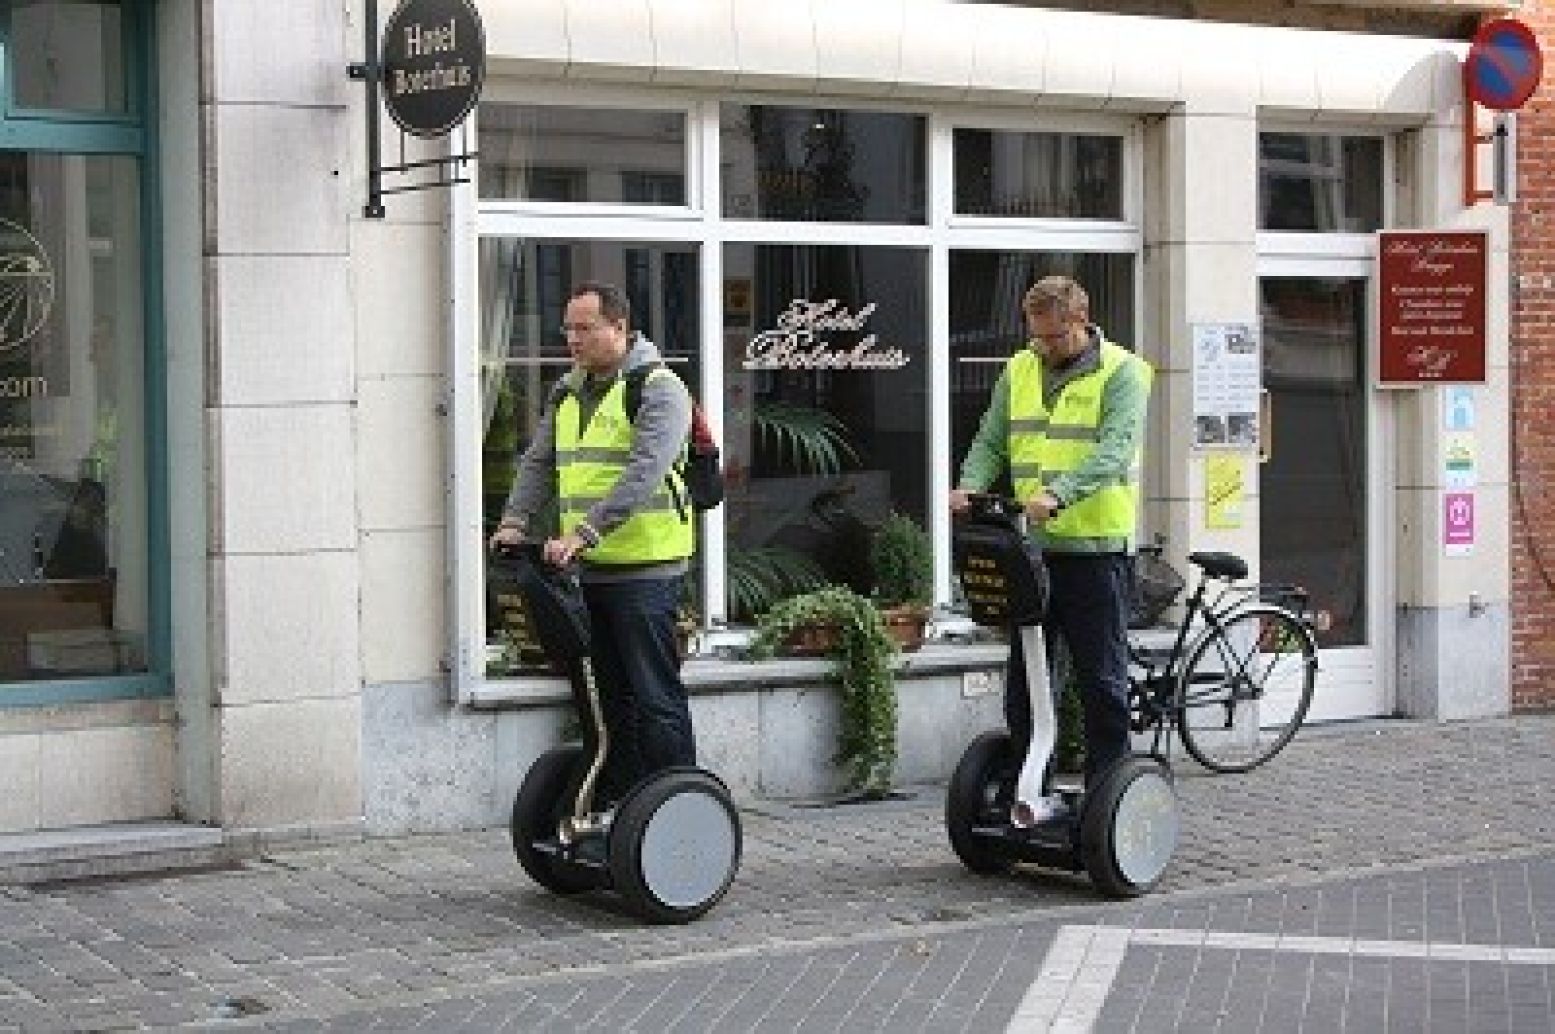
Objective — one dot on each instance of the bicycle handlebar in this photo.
(991, 502)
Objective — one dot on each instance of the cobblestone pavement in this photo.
(1432, 843)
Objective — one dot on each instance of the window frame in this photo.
(701, 223)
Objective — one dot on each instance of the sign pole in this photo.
(371, 73)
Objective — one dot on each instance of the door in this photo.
(1322, 480)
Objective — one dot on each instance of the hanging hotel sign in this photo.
(1432, 307)
(821, 336)
(434, 61)
(429, 68)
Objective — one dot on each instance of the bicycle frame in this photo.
(1153, 697)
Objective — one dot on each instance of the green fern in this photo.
(761, 576)
(815, 441)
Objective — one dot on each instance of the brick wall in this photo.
(1533, 377)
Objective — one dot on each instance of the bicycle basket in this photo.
(1156, 587)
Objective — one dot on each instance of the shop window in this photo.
(1038, 175)
(531, 152)
(74, 594)
(1319, 183)
(987, 327)
(823, 165)
(524, 285)
(825, 411)
(67, 55)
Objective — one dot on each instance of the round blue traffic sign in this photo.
(1503, 66)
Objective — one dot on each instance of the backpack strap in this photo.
(635, 379)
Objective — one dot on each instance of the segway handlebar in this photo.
(983, 503)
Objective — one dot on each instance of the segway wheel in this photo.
(973, 797)
(1128, 827)
(675, 846)
(541, 802)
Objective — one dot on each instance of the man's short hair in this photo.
(1057, 294)
(613, 304)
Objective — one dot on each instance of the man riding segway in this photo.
(1066, 421)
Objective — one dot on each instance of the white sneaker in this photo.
(1026, 814)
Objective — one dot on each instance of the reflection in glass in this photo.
(986, 324)
(73, 532)
(828, 434)
(532, 152)
(67, 55)
(1038, 175)
(818, 165)
(524, 286)
(1319, 183)
(1313, 488)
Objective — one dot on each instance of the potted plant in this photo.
(902, 560)
(862, 655)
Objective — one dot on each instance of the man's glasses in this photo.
(580, 328)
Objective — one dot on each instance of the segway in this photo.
(1123, 830)
(670, 847)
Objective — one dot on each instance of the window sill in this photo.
(717, 674)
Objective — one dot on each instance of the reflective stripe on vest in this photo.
(588, 465)
(1046, 444)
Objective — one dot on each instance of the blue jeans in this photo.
(637, 670)
(1088, 614)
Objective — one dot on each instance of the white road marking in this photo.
(1083, 961)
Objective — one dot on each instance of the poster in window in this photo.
(1431, 305)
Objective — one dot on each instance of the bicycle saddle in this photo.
(1220, 565)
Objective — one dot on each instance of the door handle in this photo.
(1265, 426)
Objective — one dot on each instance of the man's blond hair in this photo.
(1057, 294)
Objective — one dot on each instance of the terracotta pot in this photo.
(906, 625)
(814, 640)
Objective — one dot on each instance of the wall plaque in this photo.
(1431, 307)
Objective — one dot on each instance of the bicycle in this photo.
(1247, 646)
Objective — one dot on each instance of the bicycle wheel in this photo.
(1245, 688)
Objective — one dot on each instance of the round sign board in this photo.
(1503, 66)
(434, 61)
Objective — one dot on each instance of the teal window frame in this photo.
(132, 133)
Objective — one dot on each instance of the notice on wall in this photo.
(1458, 523)
(1227, 377)
(1224, 491)
(1432, 291)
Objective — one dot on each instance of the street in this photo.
(1377, 876)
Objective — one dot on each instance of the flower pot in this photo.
(814, 640)
(906, 625)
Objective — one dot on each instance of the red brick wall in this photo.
(1533, 379)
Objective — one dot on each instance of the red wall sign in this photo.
(1432, 307)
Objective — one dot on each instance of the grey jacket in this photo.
(659, 435)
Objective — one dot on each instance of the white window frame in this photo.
(700, 222)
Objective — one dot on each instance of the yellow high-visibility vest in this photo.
(1045, 444)
(589, 461)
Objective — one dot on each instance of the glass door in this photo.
(1322, 478)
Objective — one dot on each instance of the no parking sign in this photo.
(1503, 66)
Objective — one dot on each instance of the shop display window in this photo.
(1319, 183)
(825, 411)
(533, 152)
(74, 595)
(524, 285)
(823, 165)
(1038, 175)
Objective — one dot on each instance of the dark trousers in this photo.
(1088, 615)
(637, 670)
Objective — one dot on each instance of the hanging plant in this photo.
(862, 655)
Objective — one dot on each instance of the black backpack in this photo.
(703, 469)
